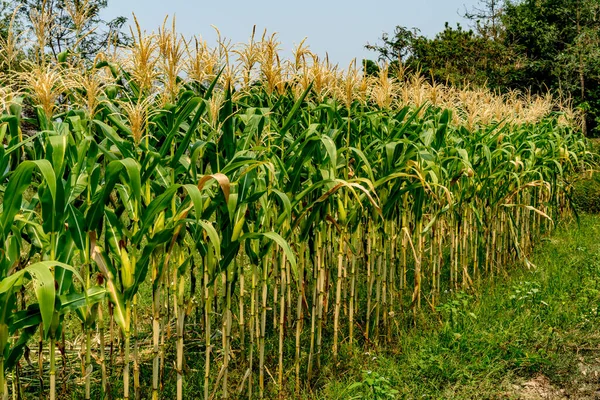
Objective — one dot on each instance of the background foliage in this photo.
(528, 45)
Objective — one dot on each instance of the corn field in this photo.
(170, 202)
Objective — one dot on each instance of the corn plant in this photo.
(273, 210)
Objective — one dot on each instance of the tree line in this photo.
(64, 26)
(534, 46)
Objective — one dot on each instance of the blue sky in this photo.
(340, 28)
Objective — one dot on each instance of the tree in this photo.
(558, 43)
(370, 67)
(487, 17)
(399, 46)
(5, 14)
(455, 55)
(71, 25)
(459, 56)
(528, 45)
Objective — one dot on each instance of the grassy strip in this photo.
(532, 323)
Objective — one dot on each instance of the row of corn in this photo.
(222, 222)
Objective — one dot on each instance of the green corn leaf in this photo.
(291, 117)
(43, 283)
(73, 301)
(18, 183)
(115, 295)
(281, 242)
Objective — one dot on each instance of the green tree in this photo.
(370, 67)
(459, 56)
(455, 55)
(5, 14)
(557, 41)
(488, 17)
(528, 45)
(71, 25)
(400, 45)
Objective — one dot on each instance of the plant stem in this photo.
(126, 368)
(338, 295)
(370, 265)
(156, 315)
(207, 304)
(127, 335)
(320, 298)
(281, 325)
(263, 326)
(299, 316)
(102, 352)
(227, 321)
(242, 322)
(352, 299)
(180, 332)
(3, 384)
(253, 323)
(88, 362)
(313, 314)
(52, 368)
(136, 362)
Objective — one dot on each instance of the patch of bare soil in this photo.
(539, 388)
(584, 386)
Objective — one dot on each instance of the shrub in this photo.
(586, 195)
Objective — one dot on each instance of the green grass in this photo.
(542, 321)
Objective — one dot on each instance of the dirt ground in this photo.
(585, 386)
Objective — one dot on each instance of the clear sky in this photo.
(340, 28)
